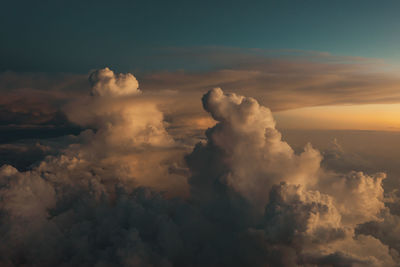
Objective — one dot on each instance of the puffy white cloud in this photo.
(106, 83)
(119, 122)
(253, 149)
(128, 134)
(358, 196)
(311, 223)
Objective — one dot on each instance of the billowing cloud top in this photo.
(247, 136)
(242, 197)
(106, 83)
(120, 122)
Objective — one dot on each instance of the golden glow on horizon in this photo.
(383, 117)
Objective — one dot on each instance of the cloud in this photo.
(316, 211)
(281, 80)
(366, 151)
(309, 221)
(125, 194)
(30, 104)
(246, 136)
(118, 120)
(106, 83)
(126, 132)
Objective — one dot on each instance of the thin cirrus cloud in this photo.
(128, 193)
(294, 79)
(304, 86)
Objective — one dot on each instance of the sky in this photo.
(199, 133)
(76, 36)
(144, 37)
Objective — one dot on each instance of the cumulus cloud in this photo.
(246, 135)
(311, 209)
(119, 121)
(126, 132)
(243, 196)
(310, 222)
(106, 83)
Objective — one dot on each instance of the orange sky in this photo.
(384, 117)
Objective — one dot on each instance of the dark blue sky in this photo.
(75, 36)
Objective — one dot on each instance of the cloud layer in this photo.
(281, 80)
(127, 193)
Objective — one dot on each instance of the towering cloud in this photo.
(252, 148)
(242, 197)
(126, 134)
(117, 114)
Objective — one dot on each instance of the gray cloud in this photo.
(124, 194)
